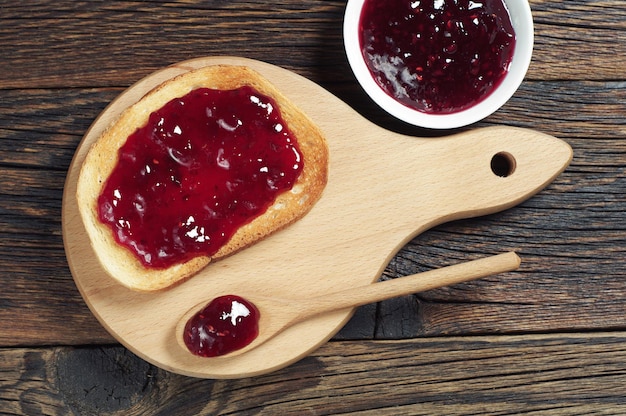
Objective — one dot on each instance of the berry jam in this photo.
(437, 56)
(204, 165)
(226, 324)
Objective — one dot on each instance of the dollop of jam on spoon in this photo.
(226, 324)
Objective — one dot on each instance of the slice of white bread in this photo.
(118, 261)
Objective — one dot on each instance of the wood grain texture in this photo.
(41, 128)
(62, 62)
(305, 35)
(548, 374)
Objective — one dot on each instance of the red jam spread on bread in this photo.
(437, 56)
(226, 324)
(204, 165)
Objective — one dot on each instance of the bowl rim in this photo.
(522, 20)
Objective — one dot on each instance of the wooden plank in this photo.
(175, 32)
(559, 374)
(305, 36)
(38, 290)
(41, 128)
(576, 280)
(573, 42)
(570, 258)
(55, 78)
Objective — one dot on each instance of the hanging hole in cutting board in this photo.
(503, 164)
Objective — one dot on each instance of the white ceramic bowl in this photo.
(522, 21)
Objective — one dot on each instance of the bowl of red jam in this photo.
(439, 64)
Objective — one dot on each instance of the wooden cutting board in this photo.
(383, 190)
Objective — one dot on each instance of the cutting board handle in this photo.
(469, 174)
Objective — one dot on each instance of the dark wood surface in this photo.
(549, 338)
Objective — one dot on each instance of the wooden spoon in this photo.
(278, 314)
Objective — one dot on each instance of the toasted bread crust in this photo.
(119, 262)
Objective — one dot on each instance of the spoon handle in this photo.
(432, 279)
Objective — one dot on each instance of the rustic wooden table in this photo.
(549, 338)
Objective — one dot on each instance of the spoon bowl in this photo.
(277, 314)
